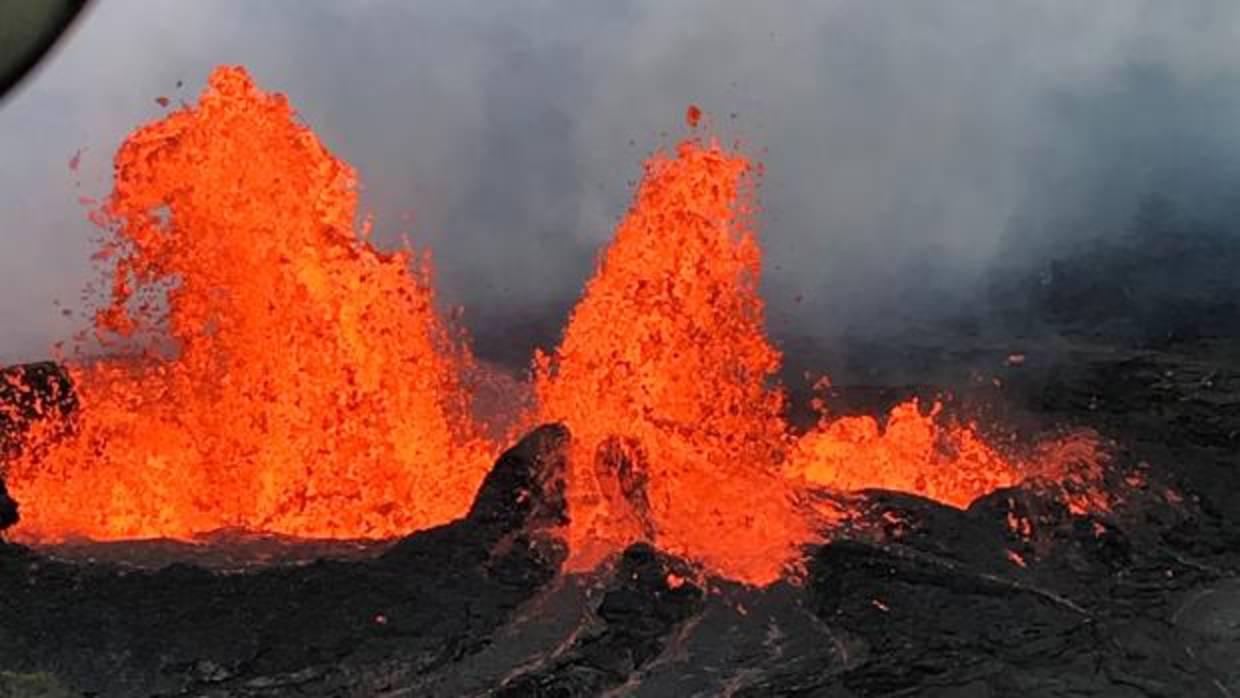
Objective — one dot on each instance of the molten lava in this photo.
(913, 453)
(310, 389)
(291, 378)
(666, 351)
(665, 358)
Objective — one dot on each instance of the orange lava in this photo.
(666, 350)
(291, 378)
(913, 453)
(666, 353)
(311, 390)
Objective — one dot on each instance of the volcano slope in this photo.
(911, 598)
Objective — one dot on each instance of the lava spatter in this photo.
(913, 452)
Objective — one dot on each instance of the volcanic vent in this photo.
(266, 368)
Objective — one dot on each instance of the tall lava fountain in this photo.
(311, 388)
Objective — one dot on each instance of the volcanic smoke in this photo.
(269, 369)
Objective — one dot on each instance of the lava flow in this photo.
(293, 379)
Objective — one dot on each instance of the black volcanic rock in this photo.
(526, 487)
(956, 603)
(8, 508)
(638, 617)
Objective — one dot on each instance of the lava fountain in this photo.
(665, 376)
(665, 357)
(310, 387)
(270, 370)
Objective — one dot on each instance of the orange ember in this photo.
(291, 378)
(693, 115)
(312, 388)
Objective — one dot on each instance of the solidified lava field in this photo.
(245, 497)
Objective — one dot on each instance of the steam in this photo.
(901, 139)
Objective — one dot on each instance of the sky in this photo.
(900, 138)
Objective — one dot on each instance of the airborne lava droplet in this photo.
(693, 115)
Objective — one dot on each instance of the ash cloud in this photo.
(911, 148)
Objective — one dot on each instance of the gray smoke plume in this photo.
(901, 139)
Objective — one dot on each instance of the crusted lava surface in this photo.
(1015, 595)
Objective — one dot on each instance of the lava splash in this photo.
(268, 369)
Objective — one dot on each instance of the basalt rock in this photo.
(637, 618)
(8, 508)
(941, 602)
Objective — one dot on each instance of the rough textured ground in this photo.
(915, 599)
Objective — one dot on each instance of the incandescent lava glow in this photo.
(913, 453)
(666, 354)
(311, 390)
(270, 370)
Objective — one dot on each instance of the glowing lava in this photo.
(293, 379)
(311, 389)
(913, 453)
(666, 352)
(665, 358)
